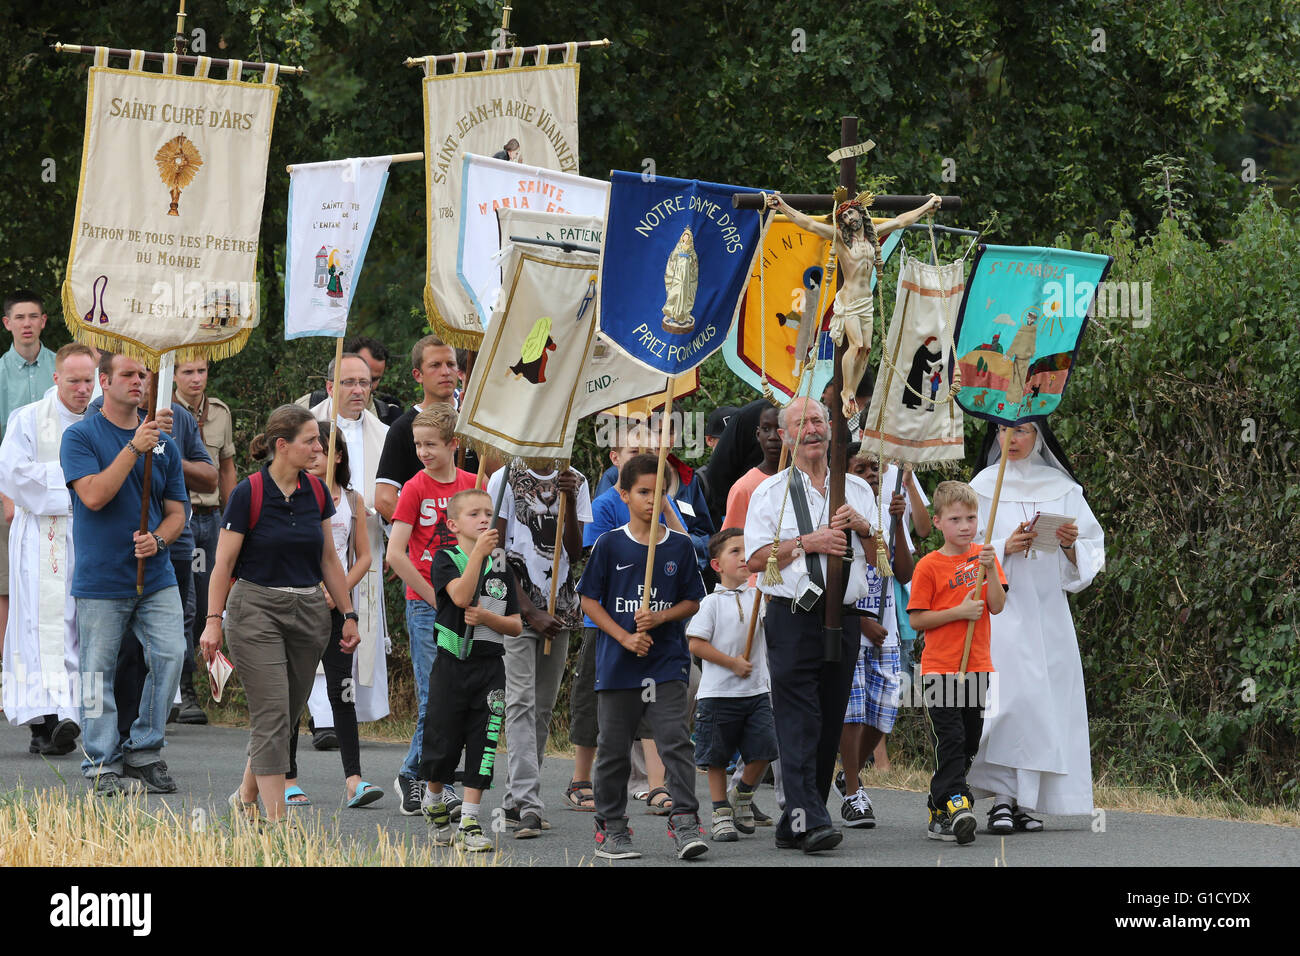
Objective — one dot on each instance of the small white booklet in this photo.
(1044, 527)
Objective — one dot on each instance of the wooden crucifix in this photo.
(846, 156)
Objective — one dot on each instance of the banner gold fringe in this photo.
(456, 338)
(152, 358)
(541, 464)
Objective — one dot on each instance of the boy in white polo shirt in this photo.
(732, 708)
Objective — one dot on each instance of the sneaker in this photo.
(411, 791)
(63, 738)
(435, 812)
(324, 738)
(471, 839)
(112, 785)
(154, 776)
(838, 784)
(512, 819)
(453, 801)
(687, 836)
(529, 825)
(856, 811)
(744, 818)
(962, 819)
(940, 828)
(761, 819)
(616, 843)
(724, 826)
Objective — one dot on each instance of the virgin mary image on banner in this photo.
(681, 280)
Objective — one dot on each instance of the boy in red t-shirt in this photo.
(943, 601)
(419, 532)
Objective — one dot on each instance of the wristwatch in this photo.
(352, 616)
(162, 545)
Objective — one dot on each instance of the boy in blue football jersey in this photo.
(642, 662)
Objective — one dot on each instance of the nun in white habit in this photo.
(1034, 753)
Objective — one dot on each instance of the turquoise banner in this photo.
(1018, 332)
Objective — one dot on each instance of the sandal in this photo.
(367, 793)
(1024, 823)
(294, 796)
(576, 799)
(663, 807)
(247, 810)
(1001, 821)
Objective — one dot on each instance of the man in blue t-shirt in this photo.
(103, 463)
(642, 663)
(200, 474)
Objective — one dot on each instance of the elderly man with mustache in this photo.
(791, 510)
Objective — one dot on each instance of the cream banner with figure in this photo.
(164, 242)
(520, 398)
(520, 114)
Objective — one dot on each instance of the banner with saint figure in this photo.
(674, 267)
(1019, 328)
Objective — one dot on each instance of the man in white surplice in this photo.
(1034, 754)
(364, 434)
(41, 653)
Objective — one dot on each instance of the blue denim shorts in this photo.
(724, 725)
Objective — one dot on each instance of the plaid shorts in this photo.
(874, 695)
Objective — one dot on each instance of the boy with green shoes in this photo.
(476, 611)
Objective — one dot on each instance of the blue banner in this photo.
(1018, 333)
(673, 268)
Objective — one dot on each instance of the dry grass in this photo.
(52, 828)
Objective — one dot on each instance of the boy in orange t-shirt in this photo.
(943, 601)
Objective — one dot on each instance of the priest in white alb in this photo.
(364, 434)
(41, 673)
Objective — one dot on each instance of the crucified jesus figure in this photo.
(857, 250)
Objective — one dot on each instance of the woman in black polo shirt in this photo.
(278, 547)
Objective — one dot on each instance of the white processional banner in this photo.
(165, 236)
(527, 115)
(489, 185)
(521, 394)
(332, 213)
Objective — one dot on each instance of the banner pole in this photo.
(758, 595)
(148, 475)
(979, 575)
(559, 551)
(460, 447)
(334, 414)
(659, 492)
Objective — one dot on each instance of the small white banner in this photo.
(332, 212)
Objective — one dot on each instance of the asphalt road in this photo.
(207, 761)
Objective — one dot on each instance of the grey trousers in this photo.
(532, 681)
(619, 713)
(276, 639)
